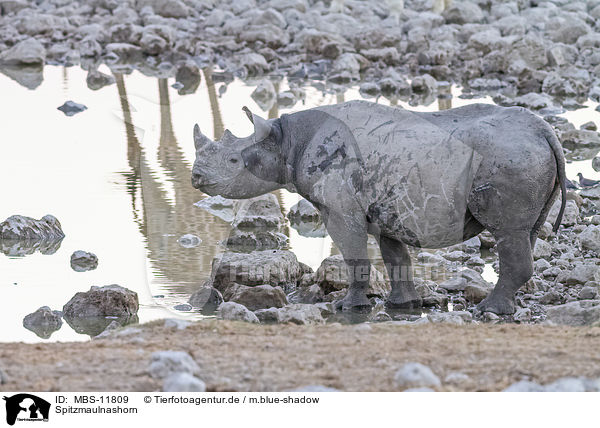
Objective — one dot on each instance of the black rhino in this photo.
(409, 178)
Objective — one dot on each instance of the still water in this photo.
(117, 176)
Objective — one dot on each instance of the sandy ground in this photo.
(235, 356)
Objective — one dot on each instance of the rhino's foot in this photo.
(355, 302)
(403, 300)
(498, 305)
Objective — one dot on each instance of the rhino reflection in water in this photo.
(408, 178)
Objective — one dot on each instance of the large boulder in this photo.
(27, 52)
(582, 312)
(332, 276)
(19, 227)
(274, 267)
(109, 300)
(259, 297)
(43, 322)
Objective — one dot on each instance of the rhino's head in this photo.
(240, 168)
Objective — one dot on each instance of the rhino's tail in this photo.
(560, 179)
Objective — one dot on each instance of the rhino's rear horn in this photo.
(248, 113)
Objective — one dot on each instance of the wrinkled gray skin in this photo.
(408, 178)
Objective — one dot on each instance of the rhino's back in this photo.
(419, 168)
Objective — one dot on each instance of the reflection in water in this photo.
(93, 326)
(20, 248)
(163, 220)
(218, 126)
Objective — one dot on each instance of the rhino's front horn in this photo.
(199, 138)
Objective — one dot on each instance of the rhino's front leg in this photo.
(349, 232)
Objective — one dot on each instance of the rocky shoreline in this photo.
(542, 55)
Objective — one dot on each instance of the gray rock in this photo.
(110, 300)
(43, 322)
(259, 297)
(189, 241)
(259, 212)
(582, 312)
(588, 293)
(456, 378)
(307, 294)
(255, 64)
(567, 384)
(235, 312)
(457, 283)
(580, 274)
(299, 313)
(27, 52)
(273, 267)
(267, 316)
(416, 375)
(463, 12)
(207, 299)
(590, 238)
(332, 275)
(522, 315)
(183, 307)
(570, 216)
(71, 108)
(423, 84)
(167, 363)
(542, 249)
(25, 228)
(183, 382)
(82, 261)
(454, 317)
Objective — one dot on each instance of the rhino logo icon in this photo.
(26, 407)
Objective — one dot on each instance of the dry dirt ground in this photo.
(235, 356)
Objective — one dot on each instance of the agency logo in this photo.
(26, 407)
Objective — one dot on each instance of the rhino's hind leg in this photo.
(514, 252)
(397, 261)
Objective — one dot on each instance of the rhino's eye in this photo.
(233, 160)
